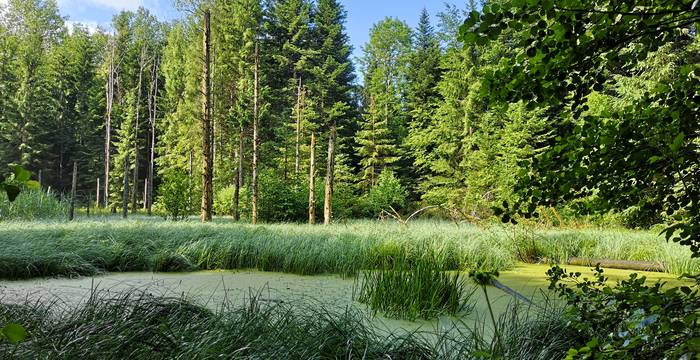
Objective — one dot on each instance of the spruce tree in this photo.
(333, 77)
(385, 87)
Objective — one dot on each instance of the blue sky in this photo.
(361, 13)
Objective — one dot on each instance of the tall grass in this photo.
(139, 326)
(32, 205)
(414, 289)
(31, 249)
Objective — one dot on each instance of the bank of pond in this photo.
(254, 314)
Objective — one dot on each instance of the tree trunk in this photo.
(239, 178)
(330, 177)
(189, 181)
(208, 175)
(256, 140)
(74, 183)
(297, 150)
(125, 192)
(145, 193)
(312, 180)
(108, 127)
(153, 113)
(97, 194)
(134, 193)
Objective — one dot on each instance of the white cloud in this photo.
(111, 4)
(92, 26)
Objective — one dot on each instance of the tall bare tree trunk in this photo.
(153, 114)
(135, 190)
(208, 175)
(330, 177)
(312, 180)
(297, 150)
(189, 180)
(108, 126)
(145, 193)
(125, 190)
(239, 178)
(97, 194)
(256, 140)
(74, 183)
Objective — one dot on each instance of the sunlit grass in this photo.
(46, 248)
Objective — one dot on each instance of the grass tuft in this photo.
(410, 288)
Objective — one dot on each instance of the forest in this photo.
(509, 179)
(285, 110)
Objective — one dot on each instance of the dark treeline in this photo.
(265, 95)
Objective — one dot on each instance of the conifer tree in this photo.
(385, 125)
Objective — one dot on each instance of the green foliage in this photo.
(642, 150)
(632, 320)
(388, 193)
(280, 200)
(13, 333)
(414, 288)
(175, 196)
(224, 201)
(384, 65)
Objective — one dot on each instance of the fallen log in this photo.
(620, 264)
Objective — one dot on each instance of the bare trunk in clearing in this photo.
(312, 180)
(108, 126)
(256, 140)
(208, 174)
(297, 150)
(330, 177)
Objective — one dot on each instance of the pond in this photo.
(214, 288)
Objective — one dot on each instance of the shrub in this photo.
(224, 201)
(387, 193)
(631, 320)
(174, 195)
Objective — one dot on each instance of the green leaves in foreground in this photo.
(13, 333)
(619, 80)
(13, 184)
(631, 320)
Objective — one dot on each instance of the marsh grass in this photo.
(137, 325)
(86, 247)
(409, 288)
(32, 205)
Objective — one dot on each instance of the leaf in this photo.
(33, 184)
(12, 192)
(14, 333)
(678, 142)
(21, 174)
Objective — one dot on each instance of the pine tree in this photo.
(38, 28)
(423, 76)
(333, 77)
(385, 125)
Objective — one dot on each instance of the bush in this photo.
(386, 194)
(224, 203)
(631, 320)
(174, 196)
